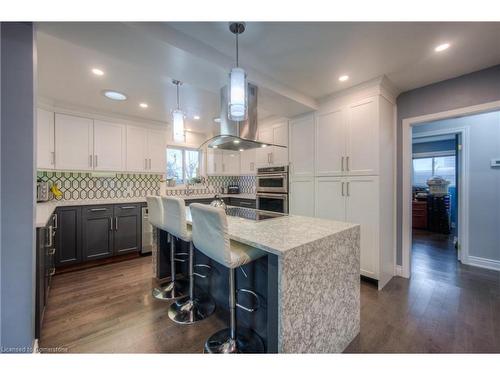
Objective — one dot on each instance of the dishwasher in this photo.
(147, 232)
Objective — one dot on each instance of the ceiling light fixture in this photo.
(178, 118)
(217, 119)
(97, 72)
(236, 141)
(238, 98)
(442, 47)
(343, 78)
(114, 95)
(196, 117)
(241, 150)
(144, 105)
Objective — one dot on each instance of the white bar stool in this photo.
(211, 237)
(192, 308)
(175, 288)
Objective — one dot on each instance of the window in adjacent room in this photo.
(427, 167)
(183, 164)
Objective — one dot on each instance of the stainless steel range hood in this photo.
(237, 135)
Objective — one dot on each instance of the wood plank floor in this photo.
(109, 309)
(444, 307)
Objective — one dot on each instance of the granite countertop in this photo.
(45, 209)
(281, 234)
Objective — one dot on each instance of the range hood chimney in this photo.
(237, 135)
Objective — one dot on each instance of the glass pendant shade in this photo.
(178, 125)
(237, 110)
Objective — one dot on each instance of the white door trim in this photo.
(407, 125)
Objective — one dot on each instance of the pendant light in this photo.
(238, 98)
(178, 118)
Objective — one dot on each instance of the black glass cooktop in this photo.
(251, 214)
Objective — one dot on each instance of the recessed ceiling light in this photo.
(217, 119)
(188, 129)
(241, 149)
(215, 146)
(143, 105)
(236, 141)
(97, 72)
(263, 146)
(114, 95)
(196, 117)
(343, 78)
(442, 47)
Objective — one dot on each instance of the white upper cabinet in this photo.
(302, 147)
(231, 163)
(264, 154)
(273, 156)
(137, 149)
(247, 162)
(330, 143)
(146, 150)
(302, 196)
(109, 146)
(45, 154)
(74, 143)
(362, 156)
(157, 154)
(214, 162)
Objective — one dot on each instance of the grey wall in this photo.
(484, 181)
(17, 198)
(475, 88)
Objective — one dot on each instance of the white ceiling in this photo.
(294, 64)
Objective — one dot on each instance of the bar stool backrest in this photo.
(210, 232)
(174, 211)
(155, 211)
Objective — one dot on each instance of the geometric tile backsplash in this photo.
(81, 185)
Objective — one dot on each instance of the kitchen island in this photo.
(309, 281)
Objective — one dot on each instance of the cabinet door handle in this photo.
(53, 155)
(127, 207)
(149, 163)
(347, 163)
(116, 223)
(252, 166)
(342, 164)
(348, 193)
(51, 251)
(146, 164)
(98, 209)
(342, 189)
(55, 221)
(95, 161)
(90, 161)
(110, 224)
(51, 234)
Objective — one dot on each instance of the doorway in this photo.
(435, 184)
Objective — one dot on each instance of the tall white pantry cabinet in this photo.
(342, 168)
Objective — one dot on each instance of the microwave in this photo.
(272, 202)
(272, 180)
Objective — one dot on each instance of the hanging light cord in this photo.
(237, 56)
(178, 105)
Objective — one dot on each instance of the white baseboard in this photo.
(398, 270)
(490, 264)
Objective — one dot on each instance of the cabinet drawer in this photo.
(97, 211)
(242, 202)
(127, 209)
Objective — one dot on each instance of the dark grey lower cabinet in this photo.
(97, 232)
(67, 221)
(127, 228)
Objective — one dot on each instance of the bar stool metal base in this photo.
(169, 293)
(188, 311)
(246, 341)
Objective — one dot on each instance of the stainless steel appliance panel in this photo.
(272, 202)
(147, 232)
